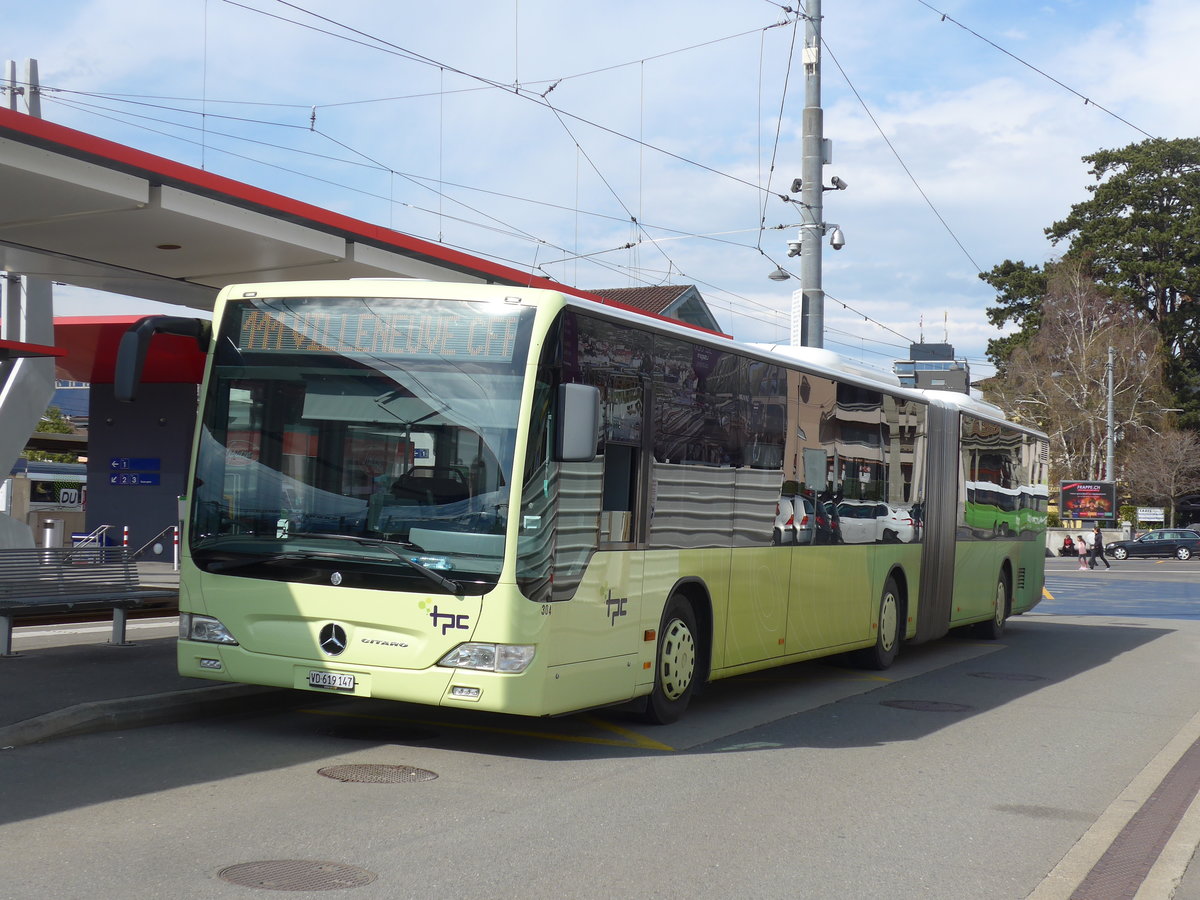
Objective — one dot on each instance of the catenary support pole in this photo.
(812, 303)
(1110, 434)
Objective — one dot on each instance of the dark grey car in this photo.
(1178, 542)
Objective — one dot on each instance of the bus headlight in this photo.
(203, 628)
(489, 657)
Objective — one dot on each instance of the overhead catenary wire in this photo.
(1087, 101)
(514, 90)
(367, 162)
(374, 42)
(775, 315)
(745, 312)
(559, 114)
(896, 153)
(92, 109)
(633, 219)
(778, 127)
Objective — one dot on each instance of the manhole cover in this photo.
(296, 875)
(1007, 676)
(377, 774)
(926, 705)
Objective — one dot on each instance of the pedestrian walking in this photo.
(1098, 549)
(1081, 550)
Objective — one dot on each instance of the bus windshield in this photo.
(391, 422)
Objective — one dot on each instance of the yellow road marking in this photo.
(1046, 595)
(635, 741)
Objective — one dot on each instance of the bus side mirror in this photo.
(578, 420)
(131, 353)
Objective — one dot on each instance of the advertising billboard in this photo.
(1088, 500)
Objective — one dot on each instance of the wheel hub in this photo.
(888, 621)
(678, 660)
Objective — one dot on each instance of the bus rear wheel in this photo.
(993, 629)
(887, 635)
(674, 665)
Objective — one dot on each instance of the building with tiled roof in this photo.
(674, 301)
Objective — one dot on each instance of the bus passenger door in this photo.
(605, 610)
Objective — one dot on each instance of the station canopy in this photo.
(84, 211)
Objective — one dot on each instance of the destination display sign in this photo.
(426, 330)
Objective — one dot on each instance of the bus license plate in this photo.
(336, 681)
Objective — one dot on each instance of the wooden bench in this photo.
(82, 579)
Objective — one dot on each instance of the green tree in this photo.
(1139, 236)
(1020, 289)
(53, 422)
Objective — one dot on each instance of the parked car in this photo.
(1178, 542)
(858, 521)
(795, 521)
(801, 519)
(871, 522)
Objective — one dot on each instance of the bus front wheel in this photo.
(993, 629)
(674, 665)
(888, 634)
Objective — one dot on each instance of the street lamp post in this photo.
(1110, 443)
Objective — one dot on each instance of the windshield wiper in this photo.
(441, 581)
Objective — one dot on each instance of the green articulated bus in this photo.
(516, 500)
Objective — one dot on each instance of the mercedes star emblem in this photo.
(333, 639)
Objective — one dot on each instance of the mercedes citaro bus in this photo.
(516, 500)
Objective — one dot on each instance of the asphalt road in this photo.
(968, 770)
(1157, 589)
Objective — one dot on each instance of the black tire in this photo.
(1118, 553)
(675, 664)
(889, 633)
(1183, 553)
(993, 629)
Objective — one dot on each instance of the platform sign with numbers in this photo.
(134, 470)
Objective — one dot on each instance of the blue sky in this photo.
(405, 114)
